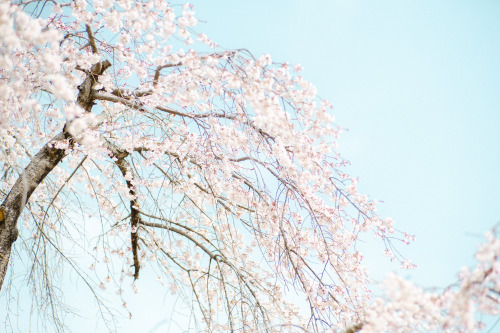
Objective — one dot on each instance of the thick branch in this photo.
(40, 166)
(36, 171)
(91, 39)
(354, 328)
(158, 70)
(86, 95)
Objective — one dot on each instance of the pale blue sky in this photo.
(417, 85)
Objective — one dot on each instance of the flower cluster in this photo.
(217, 169)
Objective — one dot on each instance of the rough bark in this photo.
(40, 166)
(36, 171)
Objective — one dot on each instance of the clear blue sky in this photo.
(416, 83)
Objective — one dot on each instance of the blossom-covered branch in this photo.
(235, 193)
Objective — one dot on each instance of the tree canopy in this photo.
(214, 167)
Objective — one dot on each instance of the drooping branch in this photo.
(135, 218)
(184, 234)
(116, 98)
(163, 226)
(178, 64)
(219, 258)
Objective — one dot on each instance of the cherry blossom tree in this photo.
(215, 168)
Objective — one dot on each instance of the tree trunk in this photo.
(40, 166)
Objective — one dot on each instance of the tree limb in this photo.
(91, 39)
(135, 218)
(36, 171)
